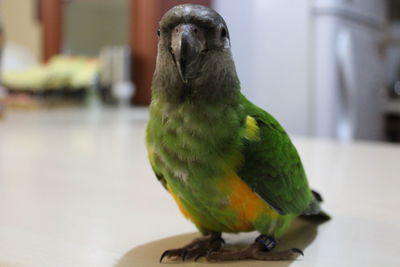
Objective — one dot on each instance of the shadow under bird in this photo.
(229, 165)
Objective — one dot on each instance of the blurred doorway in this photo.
(83, 26)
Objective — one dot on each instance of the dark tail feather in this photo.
(321, 216)
(317, 196)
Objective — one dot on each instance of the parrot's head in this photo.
(193, 48)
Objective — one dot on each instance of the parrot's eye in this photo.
(223, 33)
(158, 32)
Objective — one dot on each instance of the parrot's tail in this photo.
(317, 196)
(314, 211)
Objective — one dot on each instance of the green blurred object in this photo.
(63, 81)
(61, 73)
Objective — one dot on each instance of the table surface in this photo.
(76, 190)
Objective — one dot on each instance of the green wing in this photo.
(158, 174)
(272, 166)
(150, 151)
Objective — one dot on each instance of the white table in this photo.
(76, 190)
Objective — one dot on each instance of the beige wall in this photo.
(91, 25)
(20, 24)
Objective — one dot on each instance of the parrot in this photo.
(228, 164)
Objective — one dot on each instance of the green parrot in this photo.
(229, 165)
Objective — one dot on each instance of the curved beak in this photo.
(187, 43)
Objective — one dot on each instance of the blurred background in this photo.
(76, 188)
(324, 68)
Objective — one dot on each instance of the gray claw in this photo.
(298, 251)
(184, 254)
(163, 255)
(197, 257)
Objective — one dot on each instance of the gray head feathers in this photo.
(195, 14)
(194, 61)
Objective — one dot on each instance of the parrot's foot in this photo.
(260, 250)
(200, 247)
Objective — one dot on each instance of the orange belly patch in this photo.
(241, 201)
(245, 203)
